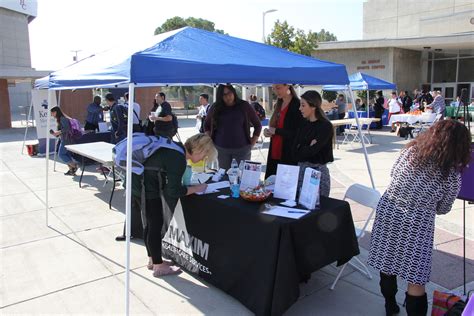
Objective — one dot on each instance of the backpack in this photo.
(167, 129)
(75, 131)
(259, 110)
(143, 147)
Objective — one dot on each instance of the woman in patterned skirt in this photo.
(425, 182)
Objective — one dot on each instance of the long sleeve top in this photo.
(233, 125)
(172, 164)
(320, 152)
(95, 114)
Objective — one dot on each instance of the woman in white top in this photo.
(394, 106)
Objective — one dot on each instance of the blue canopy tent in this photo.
(192, 56)
(360, 81)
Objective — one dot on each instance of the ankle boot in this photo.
(388, 287)
(416, 305)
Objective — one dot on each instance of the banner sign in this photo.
(179, 245)
(40, 107)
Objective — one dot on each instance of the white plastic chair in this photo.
(259, 146)
(368, 197)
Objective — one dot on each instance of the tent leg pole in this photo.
(48, 127)
(128, 196)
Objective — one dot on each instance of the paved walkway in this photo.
(75, 266)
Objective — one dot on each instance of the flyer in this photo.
(286, 182)
(250, 175)
(309, 195)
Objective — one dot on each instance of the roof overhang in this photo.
(462, 41)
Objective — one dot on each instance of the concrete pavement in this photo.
(75, 266)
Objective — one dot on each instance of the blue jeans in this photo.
(64, 154)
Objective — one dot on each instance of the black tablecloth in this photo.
(258, 259)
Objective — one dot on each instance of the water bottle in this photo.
(234, 166)
(241, 169)
(234, 179)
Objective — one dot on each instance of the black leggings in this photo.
(152, 232)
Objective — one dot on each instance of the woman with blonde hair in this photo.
(163, 187)
(425, 182)
(284, 122)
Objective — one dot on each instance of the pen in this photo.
(299, 212)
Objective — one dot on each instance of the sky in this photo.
(92, 26)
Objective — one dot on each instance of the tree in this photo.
(285, 36)
(178, 22)
(186, 93)
(329, 95)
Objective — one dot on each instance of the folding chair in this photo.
(354, 133)
(367, 197)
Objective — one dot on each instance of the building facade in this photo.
(16, 73)
(415, 44)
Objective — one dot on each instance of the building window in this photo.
(444, 70)
(466, 73)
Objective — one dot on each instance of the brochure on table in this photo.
(309, 195)
(286, 182)
(286, 212)
(250, 175)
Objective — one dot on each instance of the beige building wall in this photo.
(416, 18)
(401, 66)
(14, 40)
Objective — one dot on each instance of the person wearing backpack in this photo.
(118, 118)
(137, 122)
(162, 179)
(166, 123)
(64, 133)
(257, 107)
(203, 109)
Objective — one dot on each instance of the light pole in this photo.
(263, 22)
(74, 58)
(263, 41)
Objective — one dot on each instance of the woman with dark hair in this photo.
(313, 143)
(228, 123)
(284, 122)
(425, 182)
(63, 129)
(379, 109)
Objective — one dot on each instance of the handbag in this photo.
(447, 304)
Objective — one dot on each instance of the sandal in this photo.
(166, 270)
(166, 262)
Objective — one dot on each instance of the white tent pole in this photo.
(367, 106)
(299, 91)
(128, 191)
(359, 130)
(214, 93)
(27, 122)
(48, 127)
(263, 99)
(244, 93)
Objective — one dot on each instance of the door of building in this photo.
(448, 91)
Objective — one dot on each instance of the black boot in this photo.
(388, 287)
(416, 305)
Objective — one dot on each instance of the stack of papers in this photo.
(198, 178)
(286, 212)
(214, 187)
